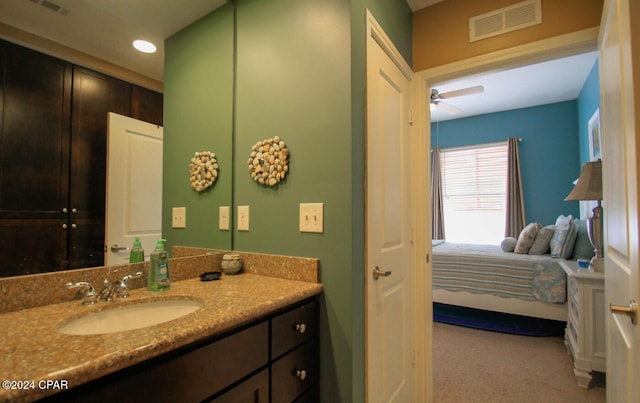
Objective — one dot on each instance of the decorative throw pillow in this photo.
(567, 247)
(526, 237)
(582, 248)
(540, 245)
(508, 244)
(563, 229)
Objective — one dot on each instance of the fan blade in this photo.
(450, 109)
(465, 91)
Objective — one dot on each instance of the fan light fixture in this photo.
(144, 46)
(437, 97)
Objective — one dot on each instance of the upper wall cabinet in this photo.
(53, 137)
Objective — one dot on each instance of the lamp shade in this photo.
(589, 186)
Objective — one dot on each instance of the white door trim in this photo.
(418, 183)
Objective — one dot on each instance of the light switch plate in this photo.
(223, 218)
(311, 217)
(243, 218)
(179, 217)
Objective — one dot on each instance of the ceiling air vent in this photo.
(507, 19)
(56, 8)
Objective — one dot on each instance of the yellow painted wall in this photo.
(441, 32)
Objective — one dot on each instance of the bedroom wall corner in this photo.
(549, 151)
(588, 103)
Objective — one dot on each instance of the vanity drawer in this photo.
(293, 328)
(295, 373)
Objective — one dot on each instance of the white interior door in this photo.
(390, 297)
(619, 46)
(134, 187)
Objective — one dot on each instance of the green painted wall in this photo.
(198, 116)
(299, 75)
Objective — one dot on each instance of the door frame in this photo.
(418, 182)
(535, 52)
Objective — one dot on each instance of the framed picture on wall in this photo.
(595, 139)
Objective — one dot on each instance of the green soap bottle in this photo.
(137, 253)
(158, 278)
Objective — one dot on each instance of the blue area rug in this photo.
(496, 321)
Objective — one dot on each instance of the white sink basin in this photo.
(129, 317)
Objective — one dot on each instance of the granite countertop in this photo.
(33, 350)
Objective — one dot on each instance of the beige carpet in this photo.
(472, 365)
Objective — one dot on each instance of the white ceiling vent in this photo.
(507, 19)
(56, 8)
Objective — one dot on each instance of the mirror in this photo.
(189, 107)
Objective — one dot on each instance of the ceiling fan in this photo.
(437, 97)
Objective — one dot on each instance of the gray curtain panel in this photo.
(516, 220)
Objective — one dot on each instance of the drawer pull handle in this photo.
(301, 374)
(301, 328)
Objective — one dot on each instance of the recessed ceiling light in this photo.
(144, 46)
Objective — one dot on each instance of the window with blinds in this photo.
(474, 185)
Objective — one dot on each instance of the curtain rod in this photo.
(481, 144)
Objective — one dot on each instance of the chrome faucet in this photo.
(108, 289)
(122, 290)
(88, 292)
(118, 288)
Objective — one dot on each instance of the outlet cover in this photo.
(311, 217)
(179, 217)
(243, 218)
(223, 218)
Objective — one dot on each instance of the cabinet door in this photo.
(253, 390)
(146, 105)
(35, 102)
(32, 246)
(94, 96)
(36, 91)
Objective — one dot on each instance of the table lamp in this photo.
(589, 187)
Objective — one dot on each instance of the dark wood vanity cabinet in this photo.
(294, 353)
(53, 137)
(271, 360)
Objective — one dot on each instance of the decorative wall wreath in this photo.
(269, 161)
(203, 170)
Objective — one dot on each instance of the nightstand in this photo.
(585, 332)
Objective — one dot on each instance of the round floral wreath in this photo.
(269, 161)
(203, 170)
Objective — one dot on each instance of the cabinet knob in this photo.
(74, 210)
(74, 226)
(301, 374)
(64, 226)
(301, 328)
(65, 210)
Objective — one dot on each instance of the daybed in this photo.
(491, 277)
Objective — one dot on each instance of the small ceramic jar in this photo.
(231, 263)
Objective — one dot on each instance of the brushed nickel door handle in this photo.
(630, 310)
